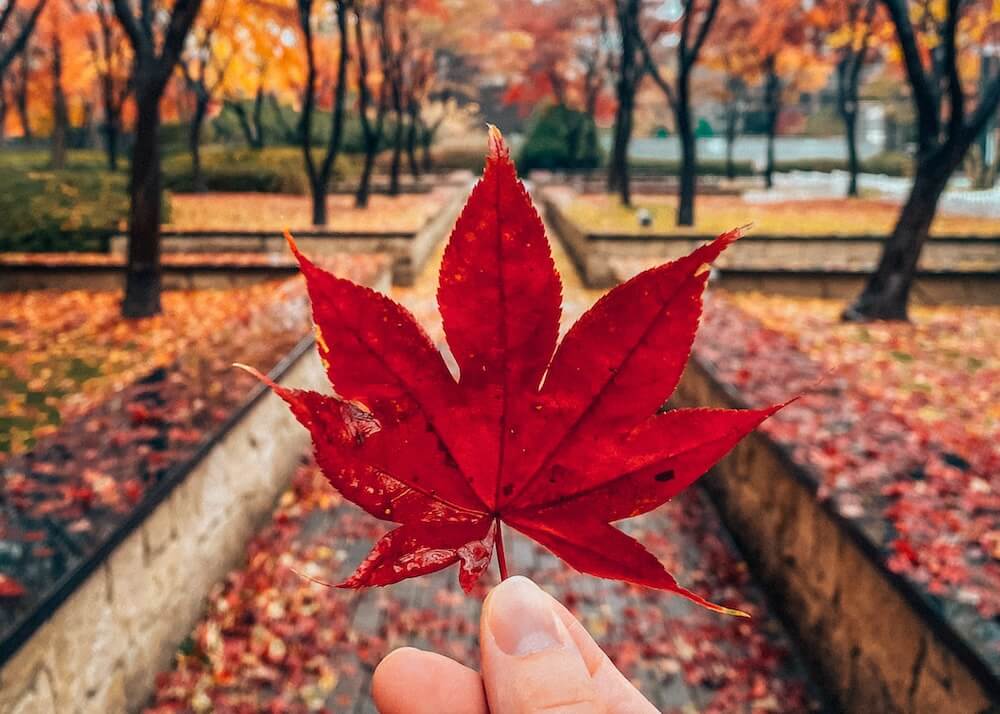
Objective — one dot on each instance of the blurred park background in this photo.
(158, 509)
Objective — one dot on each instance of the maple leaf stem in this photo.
(501, 557)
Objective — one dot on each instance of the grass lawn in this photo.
(63, 352)
(716, 214)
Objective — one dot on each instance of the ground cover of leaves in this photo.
(902, 433)
(73, 372)
(272, 640)
(275, 212)
(600, 213)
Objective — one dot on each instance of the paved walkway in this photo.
(275, 641)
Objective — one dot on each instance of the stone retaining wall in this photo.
(963, 270)
(871, 639)
(19, 278)
(409, 250)
(101, 649)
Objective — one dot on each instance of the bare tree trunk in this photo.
(363, 193)
(411, 145)
(194, 141)
(21, 98)
(426, 142)
(258, 118)
(618, 167)
(772, 99)
(689, 159)
(319, 176)
(252, 137)
(110, 131)
(60, 113)
(153, 65)
(731, 119)
(397, 154)
(628, 72)
(850, 118)
(887, 291)
(287, 131)
(143, 274)
(848, 73)
(19, 41)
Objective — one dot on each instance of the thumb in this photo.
(530, 662)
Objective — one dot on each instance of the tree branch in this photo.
(8, 11)
(691, 56)
(924, 95)
(17, 46)
(654, 71)
(956, 98)
(141, 44)
(181, 19)
(309, 96)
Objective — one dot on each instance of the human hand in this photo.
(536, 657)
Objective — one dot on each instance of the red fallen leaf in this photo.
(133, 490)
(558, 458)
(10, 588)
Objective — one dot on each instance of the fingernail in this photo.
(521, 619)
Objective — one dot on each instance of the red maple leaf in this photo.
(557, 443)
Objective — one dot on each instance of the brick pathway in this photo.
(272, 640)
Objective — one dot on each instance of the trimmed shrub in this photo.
(70, 210)
(560, 138)
(277, 169)
(672, 167)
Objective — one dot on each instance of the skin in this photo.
(536, 658)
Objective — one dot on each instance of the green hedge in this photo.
(73, 210)
(890, 163)
(277, 169)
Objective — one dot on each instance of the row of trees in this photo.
(776, 49)
(379, 60)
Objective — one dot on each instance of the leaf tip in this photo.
(498, 147)
(290, 239)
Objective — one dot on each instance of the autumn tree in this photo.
(558, 53)
(788, 52)
(399, 72)
(731, 57)
(111, 59)
(156, 35)
(851, 33)
(20, 84)
(373, 90)
(207, 58)
(17, 22)
(689, 33)
(58, 40)
(321, 172)
(933, 40)
(265, 67)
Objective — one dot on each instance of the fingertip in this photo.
(412, 681)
